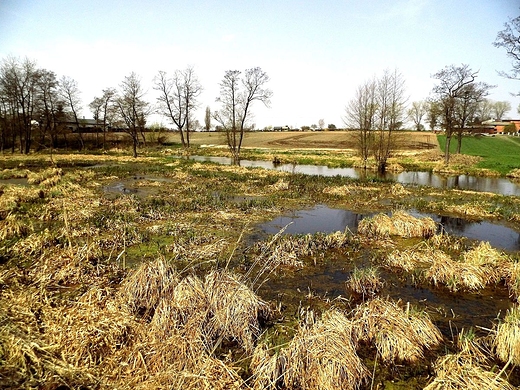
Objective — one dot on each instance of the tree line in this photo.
(38, 109)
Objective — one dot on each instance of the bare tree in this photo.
(207, 119)
(484, 110)
(178, 99)
(103, 110)
(70, 93)
(132, 109)
(18, 88)
(360, 116)
(433, 113)
(391, 100)
(509, 39)
(416, 113)
(321, 124)
(500, 108)
(48, 104)
(452, 81)
(237, 94)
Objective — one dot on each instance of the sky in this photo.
(316, 53)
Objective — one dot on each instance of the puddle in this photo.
(327, 220)
(451, 312)
(141, 186)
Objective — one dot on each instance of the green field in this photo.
(501, 153)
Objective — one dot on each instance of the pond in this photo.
(495, 185)
(324, 219)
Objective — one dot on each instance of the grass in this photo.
(499, 154)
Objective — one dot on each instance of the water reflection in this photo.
(464, 182)
(324, 219)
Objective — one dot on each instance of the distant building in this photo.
(495, 127)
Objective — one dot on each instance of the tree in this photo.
(321, 124)
(102, 109)
(237, 95)
(500, 108)
(433, 113)
(484, 111)
(70, 93)
(466, 106)
(509, 39)
(132, 109)
(360, 115)
(452, 81)
(18, 88)
(207, 119)
(178, 99)
(416, 113)
(391, 102)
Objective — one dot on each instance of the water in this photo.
(495, 185)
(324, 219)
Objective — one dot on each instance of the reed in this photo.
(507, 337)
(142, 290)
(457, 275)
(399, 224)
(454, 372)
(46, 178)
(399, 334)
(365, 281)
(235, 310)
(322, 355)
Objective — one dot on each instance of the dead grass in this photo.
(399, 224)
(399, 334)
(507, 337)
(322, 355)
(365, 281)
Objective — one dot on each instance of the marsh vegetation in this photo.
(168, 285)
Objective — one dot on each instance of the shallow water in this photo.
(324, 219)
(495, 185)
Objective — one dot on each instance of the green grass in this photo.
(500, 153)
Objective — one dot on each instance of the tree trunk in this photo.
(447, 149)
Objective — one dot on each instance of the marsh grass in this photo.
(366, 282)
(507, 337)
(322, 355)
(399, 224)
(399, 334)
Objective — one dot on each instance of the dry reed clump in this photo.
(235, 311)
(142, 289)
(414, 258)
(399, 190)
(469, 209)
(15, 173)
(507, 337)
(365, 281)
(398, 334)
(490, 259)
(287, 250)
(182, 310)
(322, 355)
(35, 243)
(13, 196)
(399, 224)
(46, 178)
(512, 279)
(444, 240)
(455, 371)
(457, 275)
(13, 226)
(343, 190)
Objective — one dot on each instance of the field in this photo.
(500, 153)
(150, 273)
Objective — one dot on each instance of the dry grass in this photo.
(46, 178)
(399, 224)
(365, 281)
(14, 226)
(322, 355)
(490, 259)
(399, 334)
(456, 275)
(143, 289)
(418, 257)
(235, 310)
(507, 337)
(512, 279)
(455, 372)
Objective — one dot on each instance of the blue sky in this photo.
(316, 52)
